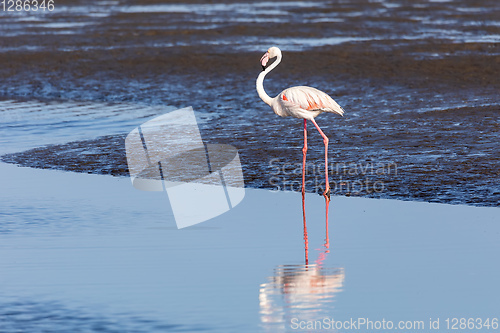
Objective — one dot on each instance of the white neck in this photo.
(260, 81)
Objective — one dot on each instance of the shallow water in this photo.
(92, 252)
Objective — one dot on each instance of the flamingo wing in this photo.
(310, 99)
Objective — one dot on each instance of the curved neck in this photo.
(260, 81)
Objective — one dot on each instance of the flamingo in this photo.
(299, 102)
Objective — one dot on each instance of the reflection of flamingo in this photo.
(322, 255)
(304, 291)
(299, 102)
(300, 290)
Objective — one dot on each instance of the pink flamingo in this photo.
(299, 102)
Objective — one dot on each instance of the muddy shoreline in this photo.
(445, 167)
(419, 83)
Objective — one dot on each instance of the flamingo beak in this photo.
(264, 60)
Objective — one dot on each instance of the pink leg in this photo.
(304, 152)
(327, 237)
(325, 141)
(322, 255)
(306, 240)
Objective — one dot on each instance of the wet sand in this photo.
(418, 80)
(452, 166)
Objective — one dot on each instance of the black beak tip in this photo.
(263, 68)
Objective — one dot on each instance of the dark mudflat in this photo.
(419, 83)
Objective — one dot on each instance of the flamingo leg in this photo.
(306, 239)
(304, 152)
(327, 236)
(325, 141)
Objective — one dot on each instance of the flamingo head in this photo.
(271, 53)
